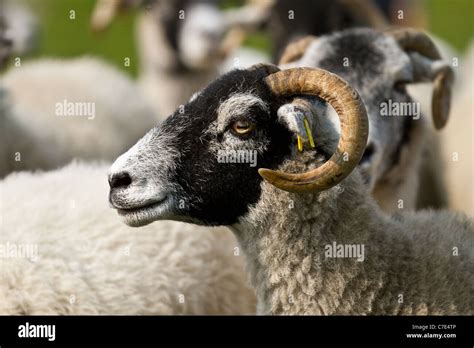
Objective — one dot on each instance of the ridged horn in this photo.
(296, 49)
(413, 40)
(353, 121)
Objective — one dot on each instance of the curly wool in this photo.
(414, 263)
(91, 263)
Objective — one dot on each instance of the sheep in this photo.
(57, 110)
(71, 255)
(183, 45)
(314, 239)
(395, 155)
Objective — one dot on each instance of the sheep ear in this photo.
(441, 73)
(298, 116)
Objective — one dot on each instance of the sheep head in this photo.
(379, 65)
(198, 33)
(186, 169)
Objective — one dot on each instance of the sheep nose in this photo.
(121, 179)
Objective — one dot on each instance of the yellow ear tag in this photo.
(300, 144)
(308, 133)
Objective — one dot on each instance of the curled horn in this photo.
(232, 40)
(295, 50)
(414, 40)
(353, 120)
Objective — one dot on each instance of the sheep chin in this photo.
(141, 216)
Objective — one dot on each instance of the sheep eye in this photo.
(242, 127)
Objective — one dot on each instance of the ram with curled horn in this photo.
(287, 208)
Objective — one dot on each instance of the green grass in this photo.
(452, 20)
(62, 36)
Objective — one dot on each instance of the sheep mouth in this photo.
(145, 214)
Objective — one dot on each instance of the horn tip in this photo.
(265, 173)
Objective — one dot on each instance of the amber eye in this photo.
(242, 127)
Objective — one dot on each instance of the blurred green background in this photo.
(61, 36)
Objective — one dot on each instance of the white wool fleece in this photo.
(88, 262)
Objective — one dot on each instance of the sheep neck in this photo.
(285, 238)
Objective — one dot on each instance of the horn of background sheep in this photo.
(104, 13)
(414, 40)
(242, 21)
(353, 121)
(295, 50)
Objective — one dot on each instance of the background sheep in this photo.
(285, 222)
(87, 262)
(39, 134)
(392, 161)
(183, 45)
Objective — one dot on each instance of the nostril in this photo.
(368, 153)
(120, 180)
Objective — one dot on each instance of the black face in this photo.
(216, 193)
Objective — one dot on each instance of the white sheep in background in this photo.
(315, 241)
(184, 45)
(83, 260)
(393, 159)
(57, 110)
